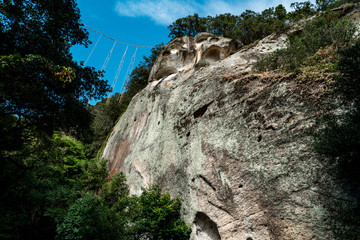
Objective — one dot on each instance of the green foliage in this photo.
(115, 215)
(89, 218)
(54, 194)
(301, 10)
(50, 187)
(339, 139)
(116, 189)
(39, 80)
(94, 175)
(187, 26)
(324, 31)
(248, 27)
(41, 179)
(160, 216)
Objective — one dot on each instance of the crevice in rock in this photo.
(205, 228)
(207, 182)
(201, 111)
(221, 208)
(271, 127)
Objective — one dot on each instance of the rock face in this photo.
(183, 56)
(233, 145)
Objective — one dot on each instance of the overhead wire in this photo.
(117, 75)
(127, 76)
(104, 65)
(93, 49)
(108, 58)
(131, 65)
(130, 45)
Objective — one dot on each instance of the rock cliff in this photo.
(232, 144)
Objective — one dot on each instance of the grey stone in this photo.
(232, 144)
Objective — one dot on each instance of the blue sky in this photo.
(144, 23)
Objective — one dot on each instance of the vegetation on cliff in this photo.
(250, 26)
(54, 188)
(329, 43)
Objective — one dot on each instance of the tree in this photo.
(187, 26)
(157, 216)
(225, 25)
(40, 82)
(301, 10)
(280, 12)
(37, 193)
(41, 90)
(322, 5)
(113, 214)
(89, 218)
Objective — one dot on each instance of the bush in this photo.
(159, 217)
(339, 140)
(324, 31)
(89, 218)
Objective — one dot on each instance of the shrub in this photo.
(324, 31)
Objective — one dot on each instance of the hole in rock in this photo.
(164, 72)
(240, 186)
(158, 122)
(271, 127)
(188, 134)
(249, 238)
(205, 227)
(259, 138)
(201, 111)
(212, 54)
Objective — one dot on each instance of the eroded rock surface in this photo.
(183, 56)
(233, 145)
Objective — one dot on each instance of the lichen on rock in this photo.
(232, 144)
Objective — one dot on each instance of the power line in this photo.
(92, 50)
(117, 75)
(130, 45)
(108, 58)
(127, 76)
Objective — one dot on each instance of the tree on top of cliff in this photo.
(248, 26)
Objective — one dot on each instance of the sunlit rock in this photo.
(232, 144)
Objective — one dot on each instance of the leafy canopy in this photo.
(40, 82)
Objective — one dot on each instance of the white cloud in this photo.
(164, 12)
(161, 11)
